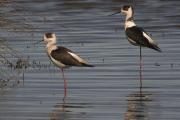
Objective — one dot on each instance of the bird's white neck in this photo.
(129, 24)
(50, 43)
(50, 46)
(129, 15)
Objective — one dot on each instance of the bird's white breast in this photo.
(49, 49)
(129, 24)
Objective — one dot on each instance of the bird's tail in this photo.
(87, 65)
(155, 47)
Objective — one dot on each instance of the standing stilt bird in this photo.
(62, 57)
(136, 35)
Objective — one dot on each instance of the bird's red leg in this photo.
(140, 71)
(65, 83)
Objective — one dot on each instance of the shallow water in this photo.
(109, 91)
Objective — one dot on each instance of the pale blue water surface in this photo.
(109, 91)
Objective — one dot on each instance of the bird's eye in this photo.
(49, 35)
(126, 7)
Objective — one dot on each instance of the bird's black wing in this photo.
(136, 34)
(140, 37)
(63, 55)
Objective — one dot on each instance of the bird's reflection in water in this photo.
(60, 112)
(65, 111)
(138, 104)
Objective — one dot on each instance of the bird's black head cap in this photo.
(49, 35)
(126, 7)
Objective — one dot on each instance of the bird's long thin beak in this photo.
(38, 42)
(35, 43)
(115, 13)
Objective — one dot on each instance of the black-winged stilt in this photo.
(136, 35)
(62, 57)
